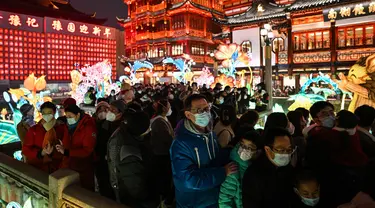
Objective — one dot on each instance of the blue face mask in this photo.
(328, 122)
(202, 119)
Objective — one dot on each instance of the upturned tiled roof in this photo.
(271, 11)
(311, 4)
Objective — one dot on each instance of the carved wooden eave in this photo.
(312, 4)
(254, 15)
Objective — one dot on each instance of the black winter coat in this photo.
(129, 162)
(265, 185)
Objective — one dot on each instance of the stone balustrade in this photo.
(20, 182)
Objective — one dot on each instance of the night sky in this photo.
(104, 9)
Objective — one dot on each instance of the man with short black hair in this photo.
(194, 152)
(366, 116)
(323, 114)
(268, 182)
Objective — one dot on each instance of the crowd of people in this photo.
(184, 146)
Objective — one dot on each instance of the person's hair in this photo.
(304, 175)
(48, 105)
(250, 117)
(271, 133)
(305, 112)
(73, 109)
(190, 99)
(227, 88)
(295, 118)
(228, 115)
(318, 106)
(254, 137)
(194, 84)
(209, 97)
(347, 120)
(366, 115)
(160, 105)
(278, 120)
(102, 100)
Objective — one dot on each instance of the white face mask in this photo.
(71, 121)
(245, 155)
(102, 115)
(311, 202)
(282, 159)
(110, 116)
(171, 96)
(47, 118)
(169, 112)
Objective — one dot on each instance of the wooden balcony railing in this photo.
(178, 33)
(161, 34)
(196, 33)
(142, 9)
(313, 57)
(143, 36)
(158, 7)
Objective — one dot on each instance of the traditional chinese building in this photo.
(168, 28)
(49, 38)
(329, 36)
(309, 35)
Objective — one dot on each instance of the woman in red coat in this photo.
(79, 149)
(40, 140)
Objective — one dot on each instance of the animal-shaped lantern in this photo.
(361, 82)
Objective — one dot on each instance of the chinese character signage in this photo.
(67, 27)
(16, 21)
(30, 23)
(349, 11)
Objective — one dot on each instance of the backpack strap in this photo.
(231, 135)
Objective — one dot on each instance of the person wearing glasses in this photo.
(197, 172)
(243, 154)
(269, 180)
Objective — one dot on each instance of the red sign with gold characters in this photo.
(67, 27)
(21, 22)
(10, 20)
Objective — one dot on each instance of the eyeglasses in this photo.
(247, 147)
(204, 110)
(284, 151)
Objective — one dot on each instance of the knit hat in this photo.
(120, 105)
(101, 104)
(25, 109)
(68, 101)
(138, 123)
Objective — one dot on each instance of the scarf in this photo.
(50, 136)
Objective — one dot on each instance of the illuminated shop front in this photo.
(330, 38)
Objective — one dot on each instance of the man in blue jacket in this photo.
(194, 153)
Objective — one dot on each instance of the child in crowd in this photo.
(248, 149)
(307, 191)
